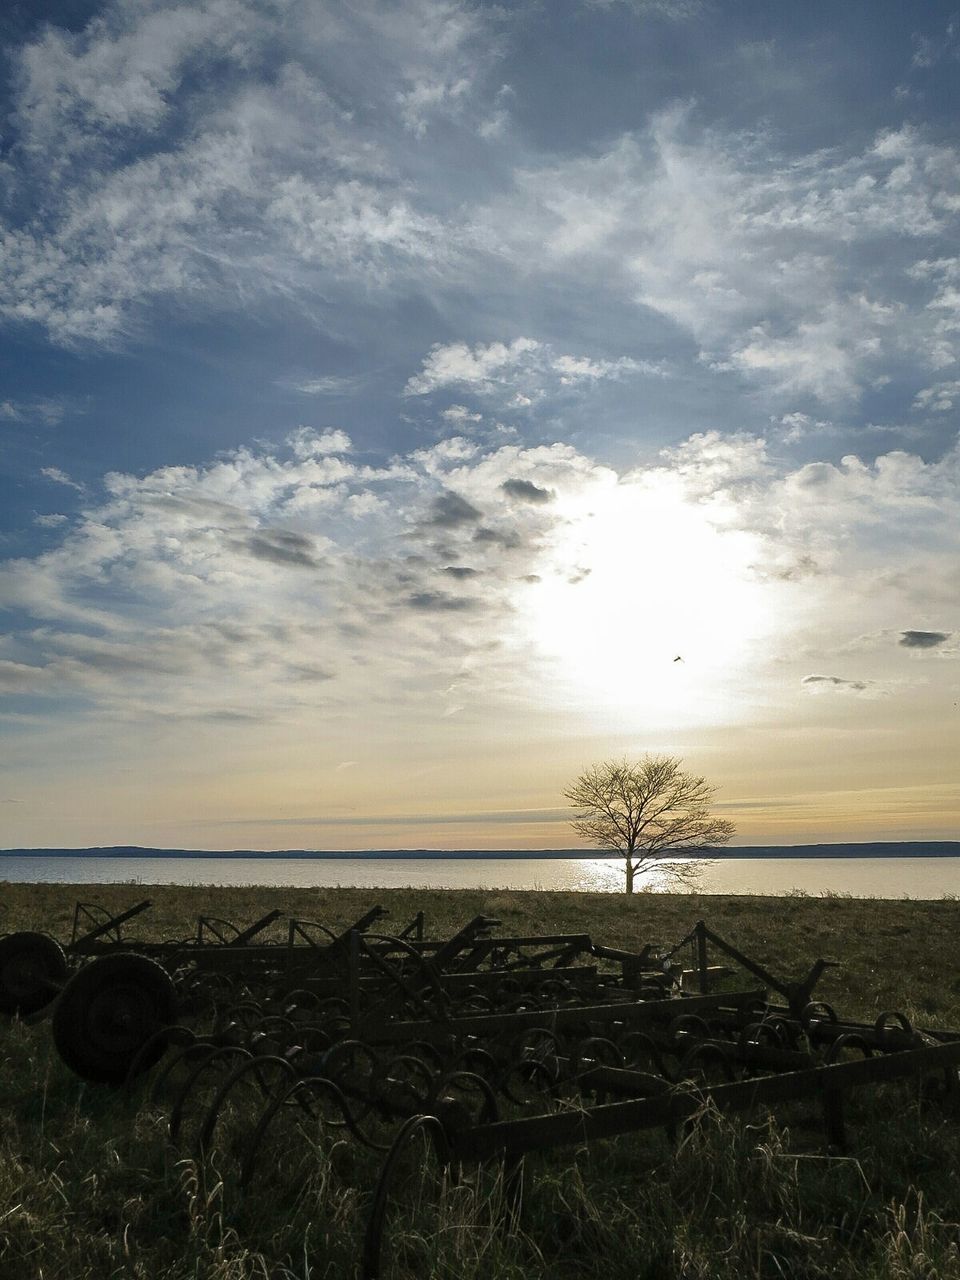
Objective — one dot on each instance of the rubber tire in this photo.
(29, 964)
(108, 1011)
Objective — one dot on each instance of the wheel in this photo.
(108, 1011)
(33, 968)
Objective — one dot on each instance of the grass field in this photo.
(90, 1186)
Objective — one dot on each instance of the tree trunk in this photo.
(629, 874)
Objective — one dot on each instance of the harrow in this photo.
(489, 1046)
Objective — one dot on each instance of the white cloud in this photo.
(788, 270)
(679, 10)
(460, 413)
(940, 398)
(308, 443)
(216, 147)
(200, 590)
(60, 477)
(458, 364)
(48, 410)
(317, 169)
(327, 385)
(488, 369)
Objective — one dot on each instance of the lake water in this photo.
(859, 877)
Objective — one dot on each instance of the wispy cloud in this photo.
(59, 476)
(837, 682)
(789, 270)
(326, 385)
(143, 182)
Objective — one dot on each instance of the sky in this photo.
(406, 404)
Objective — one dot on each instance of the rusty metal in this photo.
(493, 1046)
(33, 968)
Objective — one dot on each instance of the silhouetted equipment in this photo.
(482, 1045)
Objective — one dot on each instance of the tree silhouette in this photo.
(647, 810)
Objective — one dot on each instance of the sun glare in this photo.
(645, 606)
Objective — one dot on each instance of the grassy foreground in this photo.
(90, 1187)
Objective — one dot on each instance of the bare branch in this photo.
(646, 811)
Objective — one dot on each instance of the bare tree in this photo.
(646, 810)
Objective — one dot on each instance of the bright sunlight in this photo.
(646, 605)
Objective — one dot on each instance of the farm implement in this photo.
(478, 1048)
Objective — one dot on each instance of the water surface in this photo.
(858, 877)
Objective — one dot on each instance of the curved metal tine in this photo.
(471, 1081)
(208, 993)
(399, 1076)
(312, 1037)
(426, 966)
(894, 1026)
(347, 1075)
(534, 1073)
(173, 1035)
(215, 1055)
(814, 1012)
(702, 1056)
(370, 1266)
(248, 1013)
(198, 1047)
(254, 1066)
(300, 999)
(425, 1050)
(849, 1040)
(475, 1055)
(534, 1063)
(636, 1042)
(274, 1030)
(595, 1051)
(300, 1092)
(557, 990)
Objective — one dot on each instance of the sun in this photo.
(647, 603)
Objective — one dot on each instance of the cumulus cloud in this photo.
(239, 588)
(481, 367)
(282, 582)
(459, 413)
(939, 398)
(492, 368)
(308, 443)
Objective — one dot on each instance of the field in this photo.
(91, 1186)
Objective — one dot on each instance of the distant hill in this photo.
(872, 849)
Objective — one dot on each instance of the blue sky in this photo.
(384, 386)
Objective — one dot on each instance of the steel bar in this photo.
(504, 1024)
(511, 1138)
(77, 943)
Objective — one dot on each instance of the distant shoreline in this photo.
(873, 849)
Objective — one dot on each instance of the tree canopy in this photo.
(647, 810)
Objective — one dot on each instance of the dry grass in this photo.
(90, 1187)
